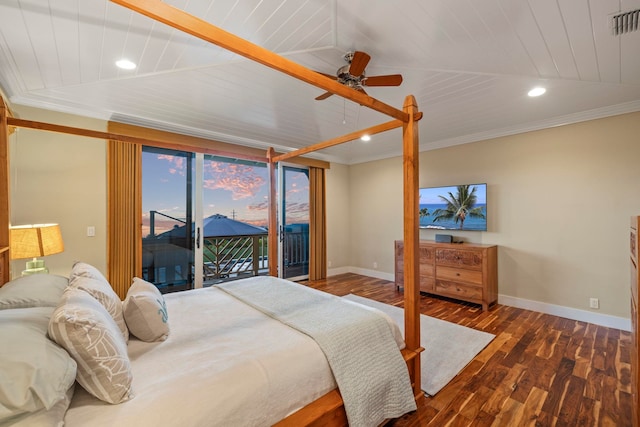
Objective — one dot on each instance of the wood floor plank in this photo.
(540, 370)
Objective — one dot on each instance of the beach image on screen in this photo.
(456, 207)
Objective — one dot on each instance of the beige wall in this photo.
(559, 203)
(337, 183)
(60, 178)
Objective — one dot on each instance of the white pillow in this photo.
(82, 326)
(53, 417)
(104, 293)
(35, 373)
(35, 290)
(145, 312)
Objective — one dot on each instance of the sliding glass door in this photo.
(167, 218)
(204, 219)
(294, 222)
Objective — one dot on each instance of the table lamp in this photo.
(33, 241)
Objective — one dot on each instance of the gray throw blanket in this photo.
(367, 365)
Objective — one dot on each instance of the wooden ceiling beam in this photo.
(181, 20)
(383, 127)
(394, 124)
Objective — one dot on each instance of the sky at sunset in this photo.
(235, 189)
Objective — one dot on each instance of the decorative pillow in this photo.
(35, 373)
(146, 312)
(104, 293)
(82, 326)
(82, 269)
(36, 290)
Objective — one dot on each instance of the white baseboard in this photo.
(339, 270)
(570, 313)
(606, 320)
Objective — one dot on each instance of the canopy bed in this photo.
(328, 408)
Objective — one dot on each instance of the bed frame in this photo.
(329, 409)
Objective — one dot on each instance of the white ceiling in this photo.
(468, 63)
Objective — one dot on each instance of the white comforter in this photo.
(224, 364)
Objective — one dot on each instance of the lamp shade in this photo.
(32, 241)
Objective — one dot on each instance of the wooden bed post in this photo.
(5, 272)
(411, 237)
(272, 218)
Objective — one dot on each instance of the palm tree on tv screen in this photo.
(459, 207)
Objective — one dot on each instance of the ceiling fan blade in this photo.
(389, 80)
(358, 63)
(323, 96)
(361, 90)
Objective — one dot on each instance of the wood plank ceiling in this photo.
(469, 64)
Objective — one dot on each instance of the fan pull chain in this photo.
(344, 111)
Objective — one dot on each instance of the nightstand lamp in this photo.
(33, 241)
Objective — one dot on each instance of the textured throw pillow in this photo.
(104, 293)
(82, 326)
(82, 269)
(36, 290)
(146, 312)
(35, 373)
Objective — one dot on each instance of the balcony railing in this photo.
(233, 257)
(169, 263)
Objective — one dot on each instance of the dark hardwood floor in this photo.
(540, 370)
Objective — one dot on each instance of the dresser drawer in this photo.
(459, 275)
(460, 290)
(426, 255)
(425, 275)
(426, 284)
(459, 258)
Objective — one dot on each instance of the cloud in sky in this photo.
(241, 180)
(177, 162)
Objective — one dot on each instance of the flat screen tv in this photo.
(456, 207)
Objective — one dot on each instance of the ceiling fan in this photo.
(353, 76)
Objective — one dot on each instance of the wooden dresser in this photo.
(635, 362)
(463, 271)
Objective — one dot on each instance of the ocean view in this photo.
(470, 223)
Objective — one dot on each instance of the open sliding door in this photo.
(294, 222)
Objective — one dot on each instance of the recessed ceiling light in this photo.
(125, 64)
(537, 91)
(365, 138)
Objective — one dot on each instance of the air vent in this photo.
(625, 22)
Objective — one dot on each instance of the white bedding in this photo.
(224, 363)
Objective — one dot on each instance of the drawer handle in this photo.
(457, 274)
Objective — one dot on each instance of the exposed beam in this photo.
(179, 19)
(394, 124)
(342, 139)
(156, 138)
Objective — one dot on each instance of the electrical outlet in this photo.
(594, 303)
(328, 263)
(375, 264)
